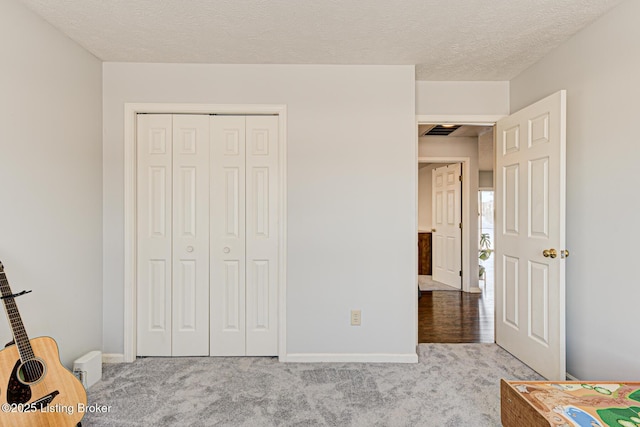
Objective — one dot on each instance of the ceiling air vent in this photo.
(442, 130)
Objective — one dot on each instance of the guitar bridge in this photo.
(44, 401)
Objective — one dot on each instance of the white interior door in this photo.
(173, 235)
(207, 223)
(154, 151)
(447, 220)
(262, 235)
(530, 213)
(190, 284)
(228, 249)
(244, 235)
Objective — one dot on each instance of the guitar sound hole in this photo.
(31, 371)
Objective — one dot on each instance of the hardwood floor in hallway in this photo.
(457, 317)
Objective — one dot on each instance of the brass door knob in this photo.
(550, 253)
(564, 253)
(433, 230)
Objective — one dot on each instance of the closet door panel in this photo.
(227, 251)
(262, 235)
(190, 299)
(154, 234)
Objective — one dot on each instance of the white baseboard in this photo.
(475, 290)
(315, 358)
(571, 377)
(349, 358)
(112, 358)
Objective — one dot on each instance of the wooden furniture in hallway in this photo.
(424, 254)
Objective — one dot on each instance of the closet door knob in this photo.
(226, 250)
(189, 248)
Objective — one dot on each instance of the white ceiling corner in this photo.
(446, 40)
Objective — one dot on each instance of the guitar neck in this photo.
(17, 327)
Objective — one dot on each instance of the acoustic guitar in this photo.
(35, 389)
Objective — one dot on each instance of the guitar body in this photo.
(56, 399)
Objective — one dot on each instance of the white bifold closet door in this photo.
(173, 235)
(244, 235)
(207, 242)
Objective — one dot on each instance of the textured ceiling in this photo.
(445, 39)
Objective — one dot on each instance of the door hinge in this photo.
(460, 178)
(460, 225)
(460, 273)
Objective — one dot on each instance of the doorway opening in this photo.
(463, 314)
(530, 216)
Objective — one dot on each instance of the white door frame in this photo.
(468, 285)
(130, 165)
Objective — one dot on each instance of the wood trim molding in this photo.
(112, 358)
(351, 358)
(460, 119)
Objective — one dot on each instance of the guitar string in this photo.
(11, 309)
(22, 342)
(15, 321)
(31, 371)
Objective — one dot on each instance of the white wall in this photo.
(486, 152)
(50, 170)
(424, 196)
(462, 98)
(461, 146)
(485, 180)
(600, 68)
(351, 192)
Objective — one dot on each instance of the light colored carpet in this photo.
(426, 283)
(452, 385)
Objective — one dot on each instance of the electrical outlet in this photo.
(356, 317)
